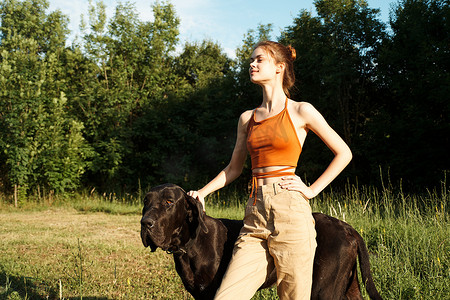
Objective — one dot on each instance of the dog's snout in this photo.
(148, 222)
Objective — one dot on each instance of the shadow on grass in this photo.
(21, 287)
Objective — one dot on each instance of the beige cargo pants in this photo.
(278, 233)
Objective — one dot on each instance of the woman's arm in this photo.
(314, 121)
(234, 168)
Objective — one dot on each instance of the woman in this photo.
(278, 225)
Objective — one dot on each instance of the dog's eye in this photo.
(169, 202)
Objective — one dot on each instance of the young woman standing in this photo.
(278, 227)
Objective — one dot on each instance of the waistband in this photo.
(276, 173)
(271, 189)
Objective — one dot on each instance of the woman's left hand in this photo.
(294, 183)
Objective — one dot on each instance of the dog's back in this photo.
(335, 265)
(202, 247)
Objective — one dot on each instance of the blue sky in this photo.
(224, 22)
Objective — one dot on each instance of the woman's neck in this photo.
(272, 97)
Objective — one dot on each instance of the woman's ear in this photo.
(280, 67)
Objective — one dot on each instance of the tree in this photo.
(28, 19)
(128, 65)
(188, 137)
(249, 93)
(200, 64)
(414, 69)
(41, 144)
(335, 66)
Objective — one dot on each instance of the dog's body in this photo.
(202, 247)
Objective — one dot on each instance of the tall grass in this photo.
(84, 201)
(407, 235)
(96, 252)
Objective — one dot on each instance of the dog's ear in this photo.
(195, 212)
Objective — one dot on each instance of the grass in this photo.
(94, 255)
(88, 245)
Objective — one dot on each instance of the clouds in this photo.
(224, 22)
(196, 16)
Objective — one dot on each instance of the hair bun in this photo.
(293, 52)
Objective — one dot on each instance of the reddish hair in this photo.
(282, 54)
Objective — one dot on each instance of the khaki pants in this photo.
(278, 233)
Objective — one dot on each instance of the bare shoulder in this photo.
(305, 111)
(303, 108)
(245, 117)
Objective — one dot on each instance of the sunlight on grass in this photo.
(88, 245)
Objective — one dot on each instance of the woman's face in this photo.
(262, 66)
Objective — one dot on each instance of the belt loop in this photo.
(275, 191)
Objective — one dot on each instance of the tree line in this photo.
(120, 107)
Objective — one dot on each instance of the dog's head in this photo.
(170, 218)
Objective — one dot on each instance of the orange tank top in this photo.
(273, 142)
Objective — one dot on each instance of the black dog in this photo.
(202, 247)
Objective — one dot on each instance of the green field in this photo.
(89, 246)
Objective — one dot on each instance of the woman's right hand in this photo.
(198, 196)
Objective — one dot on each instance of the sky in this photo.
(224, 22)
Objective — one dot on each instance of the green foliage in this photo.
(194, 129)
(120, 106)
(29, 20)
(249, 94)
(128, 68)
(42, 145)
(390, 104)
(335, 66)
(201, 64)
(414, 121)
